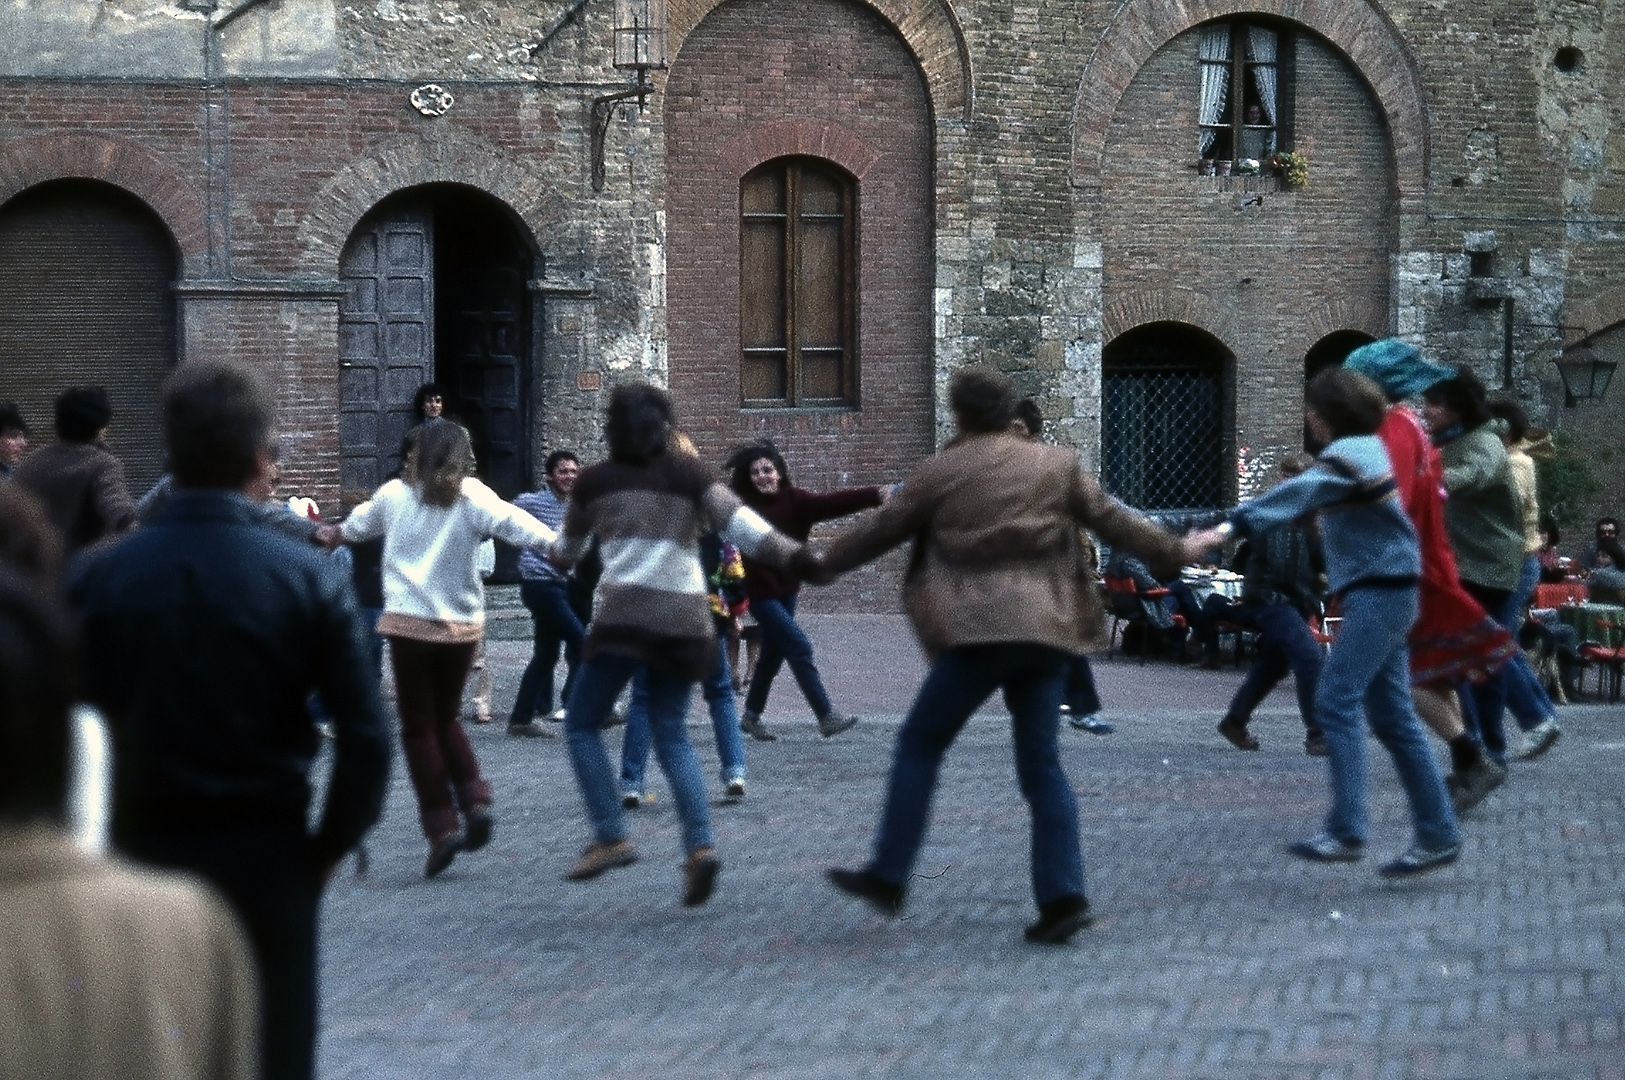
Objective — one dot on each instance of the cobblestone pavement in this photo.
(1216, 955)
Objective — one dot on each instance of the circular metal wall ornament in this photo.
(432, 100)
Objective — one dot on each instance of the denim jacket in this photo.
(1366, 537)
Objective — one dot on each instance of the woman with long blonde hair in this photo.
(433, 520)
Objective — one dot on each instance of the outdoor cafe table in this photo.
(1601, 623)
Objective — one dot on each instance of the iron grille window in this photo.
(1163, 433)
(797, 286)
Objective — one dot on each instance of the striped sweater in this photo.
(647, 518)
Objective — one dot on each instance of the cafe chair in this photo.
(1610, 664)
(1125, 600)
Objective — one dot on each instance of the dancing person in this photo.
(1454, 644)
(646, 509)
(761, 478)
(206, 634)
(78, 479)
(433, 519)
(1280, 591)
(1485, 523)
(544, 589)
(13, 438)
(1080, 699)
(1372, 566)
(724, 570)
(1527, 699)
(111, 972)
(997, 602)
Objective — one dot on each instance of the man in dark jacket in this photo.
(80, 482)
(1281, 571)
(205, 635)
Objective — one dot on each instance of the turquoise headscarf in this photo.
(1397, 367)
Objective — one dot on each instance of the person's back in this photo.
(110, 972)
(80, 482)
(205, 634)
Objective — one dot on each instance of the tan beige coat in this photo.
(993, 518)
(111, 973)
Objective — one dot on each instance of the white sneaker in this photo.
(1540, 738)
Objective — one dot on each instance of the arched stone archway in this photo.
(125, 164)
(448, 157)
(1358, 28)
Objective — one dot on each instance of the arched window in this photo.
(797, 284)
(1165, 424)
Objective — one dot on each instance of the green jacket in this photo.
(1483, 515)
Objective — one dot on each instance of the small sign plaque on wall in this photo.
(589, 380)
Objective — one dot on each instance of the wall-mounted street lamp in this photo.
(640, 47)
(1585, 373)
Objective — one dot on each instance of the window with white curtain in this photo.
(1244, 104)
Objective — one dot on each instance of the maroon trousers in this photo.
(429, 679)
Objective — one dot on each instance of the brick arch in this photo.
(1356, 27)
(810, 138)
(36, 159)
(408, 161)
(930, 28)
(1341, 314)
(1169, 305)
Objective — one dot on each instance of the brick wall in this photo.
(1265, 270)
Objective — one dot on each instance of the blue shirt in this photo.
(547, 508)
(1366, 536)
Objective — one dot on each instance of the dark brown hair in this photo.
(1350, 403)
(982, 399)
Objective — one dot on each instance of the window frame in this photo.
(1238, 71)
(791, 283)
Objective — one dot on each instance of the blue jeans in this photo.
(1286, 646)
(1369, 670)
(1080, 694)
(719, 695)
(959, 681)
(1526, 697)
(598, 682)
(783, 640)
(555, 624)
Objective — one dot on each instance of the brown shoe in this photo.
(700, 876)
(600, 857)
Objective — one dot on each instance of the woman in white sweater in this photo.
(433, 521)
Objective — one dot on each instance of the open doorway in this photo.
(437, 291)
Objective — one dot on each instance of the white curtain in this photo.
(1214, 52)
(1261, 50)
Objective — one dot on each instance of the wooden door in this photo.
(386, 340)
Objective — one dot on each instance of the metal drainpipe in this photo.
(217, 159)
(1506, 344)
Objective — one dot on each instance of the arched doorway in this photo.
(1329, 351)
(437, 290)
(88, 273)
(1167, 409)
(1332, 350)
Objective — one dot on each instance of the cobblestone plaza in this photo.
(1216, 954)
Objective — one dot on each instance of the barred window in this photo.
(1167, 402)
(797, 281)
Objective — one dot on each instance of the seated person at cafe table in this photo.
(1160, 611)
(1606, 581)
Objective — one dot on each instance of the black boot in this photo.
(1059, 919)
